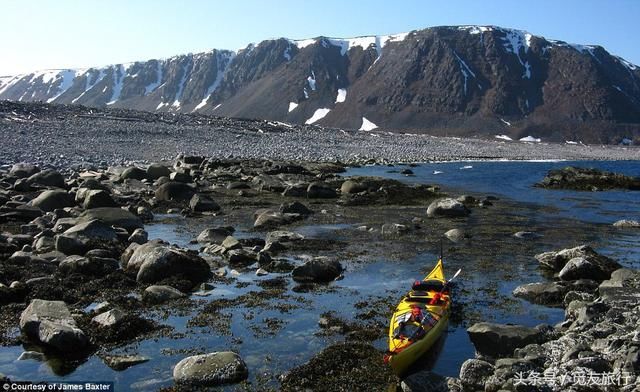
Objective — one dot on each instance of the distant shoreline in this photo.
(63, 136)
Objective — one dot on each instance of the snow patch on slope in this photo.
(342, 95)
(223, 62)
(367, 125)
(152, 86)
(466, 71)
(318, 115)
(530, 139)
(119, 73)
(90, 84)
(176, 102)
(66, 81)
(292, 105)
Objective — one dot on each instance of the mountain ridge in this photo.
(455, 80)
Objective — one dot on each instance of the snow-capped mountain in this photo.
(456, 80)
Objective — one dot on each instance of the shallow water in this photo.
(283, 332)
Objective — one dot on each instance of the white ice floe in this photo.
(318, 115)
(466, 167)
(437, 172)
(503, 137)
(292, 105)
(367, 125)
(570, 142)
(531, 139)
(342, 95)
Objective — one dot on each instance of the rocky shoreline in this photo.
(63, 136)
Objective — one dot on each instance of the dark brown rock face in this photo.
(455, 80)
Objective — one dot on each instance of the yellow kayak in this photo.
(419, 320)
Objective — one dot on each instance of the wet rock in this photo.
(162, 293)
(394, 229)
(211, 369)
(71, 245)
(122, 362)
(351, 366)
(283, 236)
(202, 203)
(351, 186)
(474, 374)
(133, 173)
(47, 178)
(544, 293)
(230, 243)
(447, 207)
(556, 260)
(622, 285)
(270, 218)
(626, 223)
(144, 213)
(89, 266)
(296, 190)
(319, 190)
(426, 381)
(456, 235)
(261, 272)
(318, 269)
(156, 170)
(139, 236)
(50, 323)
(113, 217)
(181, 176)
(155, 261)
(595, 268)
(109, 318)
(23, 170)
(585, 179)
(92, 229)
(295, 208)
(238, 185)
(496, 340)
(215, 235)
(53, 199)
(242, 257)
(98, 198)
(174, 191)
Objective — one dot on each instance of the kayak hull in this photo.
(404, 351)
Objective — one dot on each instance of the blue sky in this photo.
(82, 33)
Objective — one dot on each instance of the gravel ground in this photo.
(61, 135)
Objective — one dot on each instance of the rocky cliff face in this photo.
(462, 80)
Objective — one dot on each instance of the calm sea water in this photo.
(483, 290)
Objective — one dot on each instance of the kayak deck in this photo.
(418, 321)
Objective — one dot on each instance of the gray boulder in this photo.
(271, 218)
(50, 323)
(283, 236)
(456, 235)
(447, 207)
(425, 381)
(113, 216)
(499, 340)
(594, 268)
(156, 170)
(242, 257)
(161, 293)
(133, 173)
(474, 374)
(202, 203)
(351, 186)
(47, 178)
(88, 266)
(174, 191)
(393, 229)
(92, 229)
(215, 234)
(122, 362)
(97, 198)
(320, 190)
(544, 293)
(23, 170)
(53, 199)
(556, 260)
(318, 269)
(109, 318)
(295, 208)
(155, 261)
(211, 369)
(139, 236)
